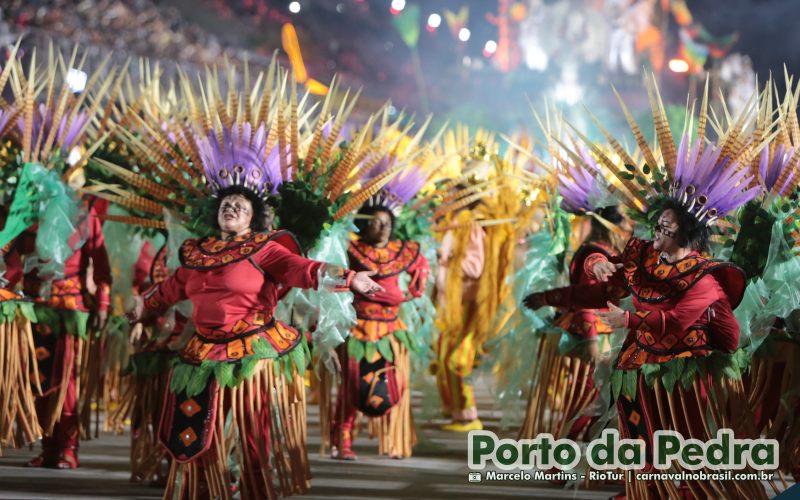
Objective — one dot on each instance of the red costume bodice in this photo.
(682, 309)
(377, 315)
(234, 287)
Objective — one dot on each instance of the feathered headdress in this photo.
(709, 178)
(257, 134)
(398, 191)
(413, 165)
(55, 127)
(582, 186)
(240, 157)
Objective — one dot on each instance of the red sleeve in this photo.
(586, 296)
(686, 312)
(286, 267)
(419, 276)
(161, 296)
(590, 296)
(96, 249)
(724, 326)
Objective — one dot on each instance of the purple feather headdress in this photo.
(707, 185)
(67, 136)
(771, 169)
(399, 190)
(582, 186)
(239, 157)
(5, 116)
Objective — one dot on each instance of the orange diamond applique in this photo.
(669, 341)
(42, 353)
(227, 258)
(245, 249)
(368, 377)
(259, 319)
(188, 436)
(648, 338)
(190, 408)
(682, 284)
(634, 418)
(690, 339)
(375, 401)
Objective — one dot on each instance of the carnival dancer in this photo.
(460, 264)
(58, 237)
(375, 378)
(480, 224)
(234, 419)
(563, 388)
(682, 324)
(233, 318)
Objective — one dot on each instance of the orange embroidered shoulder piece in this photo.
(212, 252)
(393, 259)
(652, 280)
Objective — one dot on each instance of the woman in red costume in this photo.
(63, 308)
(234, 282)
(683, 309)
(375, 358)
(563, 388)
(681, 328)
(565, 383)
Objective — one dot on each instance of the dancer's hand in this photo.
(614, 317)
(362, 283)
(605, 269)
(137, 311)
(534, 301)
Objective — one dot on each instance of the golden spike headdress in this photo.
(255, 133)
(710, 178)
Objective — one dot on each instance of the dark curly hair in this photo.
(691, 232)
(362, 224)
(259, 209)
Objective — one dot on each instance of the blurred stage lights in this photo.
(489, 48)
(678, 66)
(397, 6)
(76, 80)
(464, 34)
(434, 21)
(294, 7)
